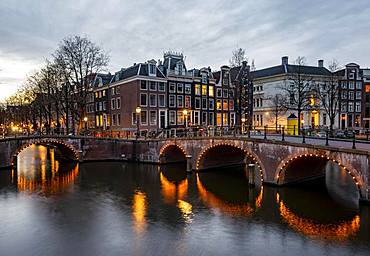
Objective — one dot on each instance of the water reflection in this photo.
(39, 171)
(228, 192)
(139, 208)
(132, 209)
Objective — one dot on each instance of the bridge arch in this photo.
(66, 149)
(233, 152)
(172, 153)
(315, 159)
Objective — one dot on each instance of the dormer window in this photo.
(226, 79)
(204, 78)
(179, 68)
(152, 69)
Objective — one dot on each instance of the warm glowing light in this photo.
(85, 119)
(138, 110)
(139, 209)
(186, 209)
(340, 231)
(171, 192)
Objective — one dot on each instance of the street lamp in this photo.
(138, 112)
(243, 124)
(85, 121)
(185, 113)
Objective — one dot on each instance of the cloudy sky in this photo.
(206, 31)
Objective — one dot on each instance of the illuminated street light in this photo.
(138, 112)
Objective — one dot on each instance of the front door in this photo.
(162, 119)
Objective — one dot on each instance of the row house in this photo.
(354, 97)
(268, 82)
(138, 99)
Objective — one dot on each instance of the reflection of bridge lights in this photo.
(340, 231)
(212, 201)
(186, 209)
(57, 183)
(139, 208)
(172, 191)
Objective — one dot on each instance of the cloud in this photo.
(206, 31)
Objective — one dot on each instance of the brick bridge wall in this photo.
(272, 157)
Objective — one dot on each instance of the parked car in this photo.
(321, 134)
(340, 134)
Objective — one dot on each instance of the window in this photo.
(350, 106)
(211, 103)
(358, 106)
(218, 105)
(344, 108)
(153, 117)
(187, 102)
(118, 119)
(113, 120)
(143, 85)
(196, 117)
(218, 119)
(344, 84)
(350, 120)
(204, 90)
(204, 103)
(117, 90)
(152, 69)
(204, 79)
(344, 94)
(231, 105)
(152, 100)
(144, 117)
(172, 87)
(224, 105)
(359, 85)
(351, 75)
(103, 92)
(113, 104)
(172, 101)
(232, 119)
(96, 95)
(211, 91)
(161, 100)
(225, 93)
(231, 93)
(172, 117)
(113, 91)
(97, 106)
(358, 95)
(187, 88)
(204, 118)
(219, 92)
(357, 120)
(351, 85)
(351, 93)
(118, 103)
(105, 105)
(180, 117)
(180, 88)
(197, 103)
(211, 117)
(153, 86)
(143, 99)
(161, 87)
(180, 101)
(197, 89)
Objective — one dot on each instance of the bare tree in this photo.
(278, 108)
(237, 57)
(328, 94)
(79, 58)
(297, 88)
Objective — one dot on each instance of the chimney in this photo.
(284, 60)
(320, 63)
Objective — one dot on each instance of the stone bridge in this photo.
(276, 162)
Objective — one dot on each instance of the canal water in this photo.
(50, 207)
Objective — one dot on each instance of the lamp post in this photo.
(85, 124)
(138, 112)
(185, 113)
(243, 125)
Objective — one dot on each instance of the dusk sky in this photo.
(205, 31)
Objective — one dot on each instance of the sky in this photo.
(205, 31)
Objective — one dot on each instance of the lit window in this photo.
(197, 89)
(218, 105)
(204, 90)
(211, 91)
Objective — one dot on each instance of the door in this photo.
(162, 119)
